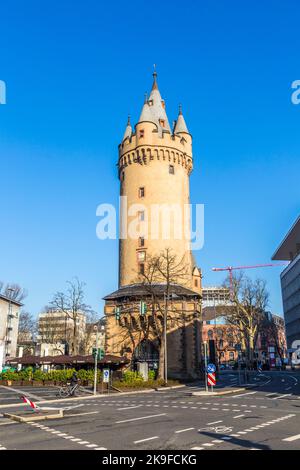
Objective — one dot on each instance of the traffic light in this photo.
(117, 313)
(143, 308)
(100, 354)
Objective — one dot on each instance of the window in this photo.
(123, 175)
(171, 169)
(162, 122)
(141, 255)
(221, 343)
(196, 282)
(142, 192)
(142, 133)
(141, 268)
(141, 241)
(141, 216)
(231, 356)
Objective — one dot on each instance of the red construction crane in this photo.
(232, 268)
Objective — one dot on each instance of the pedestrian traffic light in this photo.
(99, 352)
(143, 308)
(117, 313)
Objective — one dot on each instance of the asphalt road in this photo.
(264, 417)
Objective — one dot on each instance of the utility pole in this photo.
(165, 338)
(96, 359)
(205, 363)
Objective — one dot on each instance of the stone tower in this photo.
(154, 165)
(155, 162)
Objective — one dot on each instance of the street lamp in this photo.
(96, 359)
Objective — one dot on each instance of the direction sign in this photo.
(106, 375)
(211, 368)
(211, 379)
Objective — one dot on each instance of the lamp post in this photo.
(165, 339)
(96, 359)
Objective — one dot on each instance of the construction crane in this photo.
(232, 268)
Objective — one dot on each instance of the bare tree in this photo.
(92, 319)
(27, 327)
(13, 291)
(246, 308)
(71, 303)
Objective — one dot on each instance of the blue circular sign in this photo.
(211, 368)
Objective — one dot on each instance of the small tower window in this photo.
(171, 169)
(141, 256)
(141, 241)
(196, 282)
(142, 268)
(123, 175)
(142, 192)
(162, 122)
(141, 216)
(142, 133)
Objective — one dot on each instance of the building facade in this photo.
(9, 322)
(289, 250)
(56, 333)
(154, 165)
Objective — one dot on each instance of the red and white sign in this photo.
(211, 378)
(30, 403)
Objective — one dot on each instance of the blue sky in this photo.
(74, 70)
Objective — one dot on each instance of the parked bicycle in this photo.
(68, 390)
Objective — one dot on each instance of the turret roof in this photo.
(180, 125)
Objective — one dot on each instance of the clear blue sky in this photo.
(74, 70)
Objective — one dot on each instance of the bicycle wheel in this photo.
(63, 392)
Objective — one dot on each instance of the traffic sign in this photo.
(106, 375)
(211, 368)
(211, 379)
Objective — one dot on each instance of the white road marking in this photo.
(243, 394)
(142, 417)
(208, 444)
(83, 442)
(196, 448)
(184, 430)
(238, 416)
(147, 439)
(214, 422)
(128, 407)
(292, 438)
(282, 396)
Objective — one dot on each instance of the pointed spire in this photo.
(180, 125)
(154, 85)
(146, 114)
(128, 130)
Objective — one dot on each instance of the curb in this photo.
(93, 397)
(36, 417)
(225, 392)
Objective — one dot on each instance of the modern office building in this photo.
(289, 250)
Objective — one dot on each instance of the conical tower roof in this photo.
(153, 109)
(128, 130)
(180, 125)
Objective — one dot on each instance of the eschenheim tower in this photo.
(154, 165)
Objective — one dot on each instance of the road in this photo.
(264, 417)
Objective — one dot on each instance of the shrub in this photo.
(151, 375)
(131, 377)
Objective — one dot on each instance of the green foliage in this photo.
(131, 377)
(60, 376)
(151, 374)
